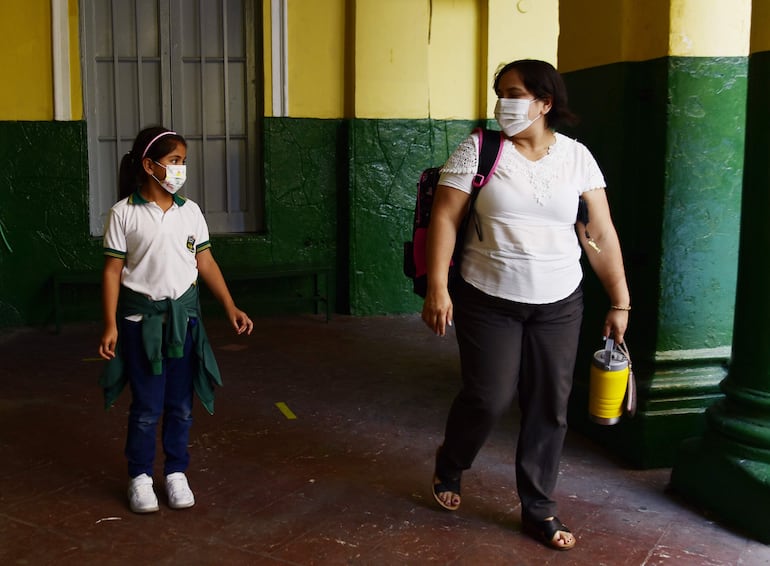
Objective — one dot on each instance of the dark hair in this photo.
(147, 144)
(544, 81)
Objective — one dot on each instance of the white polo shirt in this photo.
(529, 251)
(158, 247)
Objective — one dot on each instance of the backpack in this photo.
(415, 264)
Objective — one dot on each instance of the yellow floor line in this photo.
(284, 408)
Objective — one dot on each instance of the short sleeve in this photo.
(114, 242)
(203, 234)
(592, 177)
(460, 168)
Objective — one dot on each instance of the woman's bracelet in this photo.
(620, 308)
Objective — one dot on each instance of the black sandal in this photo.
(440, 486)
(545, 531)
(443, 484)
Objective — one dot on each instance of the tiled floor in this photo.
(345, 482)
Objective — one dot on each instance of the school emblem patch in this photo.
(191, 243)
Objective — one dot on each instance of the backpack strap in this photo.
(490, 149)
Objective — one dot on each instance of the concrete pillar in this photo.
(726, 470)
(661, 89)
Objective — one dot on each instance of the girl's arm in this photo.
(606, 259)
(209, 271)
(113, 267)
(449, 205)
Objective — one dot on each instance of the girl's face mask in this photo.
(176, 175)
(513, 115)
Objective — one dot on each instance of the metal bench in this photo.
(316, 272)
(320, 296)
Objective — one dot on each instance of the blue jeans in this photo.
(169, 394)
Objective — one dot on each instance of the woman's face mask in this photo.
(513, 115)
(176, 175)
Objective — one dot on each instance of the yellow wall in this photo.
(406, 58)
(316, 57)
(27, 62)
(518, 29)
(760, 26)
(415, 58)
(391, 59)
(27, 92)
(600, 32)
(454, 52)
(76, 87)
(710, 28)
(267, 58)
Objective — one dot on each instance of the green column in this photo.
(667, 125)
(727, 469)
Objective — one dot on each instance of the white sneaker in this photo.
(141, 496)
(180, 496)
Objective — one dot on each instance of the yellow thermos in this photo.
(607, 388)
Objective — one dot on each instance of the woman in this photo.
(518, 306)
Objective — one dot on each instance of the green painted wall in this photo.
(752, 328)
(387, 157)
(669, 135)
(704, 170)
(44, 215)
(734, 451)
(337, 192)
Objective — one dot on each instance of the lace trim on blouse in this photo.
(539, 174)
(464, 159)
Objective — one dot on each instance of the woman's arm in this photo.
(113, 267)
(606, 259)
(449, 206)
(209, 271)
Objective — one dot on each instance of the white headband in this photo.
(160, 135)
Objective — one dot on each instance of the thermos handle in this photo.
(609, 346)
(630, 400)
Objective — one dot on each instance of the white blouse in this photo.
(528, 251)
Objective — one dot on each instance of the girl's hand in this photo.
(615, 324)
(437, 311)
(108, 342)
(240, 321)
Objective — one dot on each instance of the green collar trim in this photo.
(136, 198)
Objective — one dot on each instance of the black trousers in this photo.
(509, 348)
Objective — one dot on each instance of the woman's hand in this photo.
(606, 259)
(449, 205)
(615, 324)
(437, 311)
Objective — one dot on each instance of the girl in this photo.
(156, 245)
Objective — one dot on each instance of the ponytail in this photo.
(128, 177)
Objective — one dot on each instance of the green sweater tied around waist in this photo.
(177, 313)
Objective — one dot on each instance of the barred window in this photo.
(193, 66)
